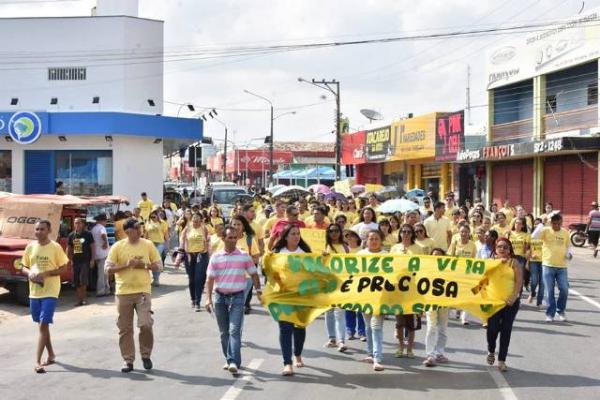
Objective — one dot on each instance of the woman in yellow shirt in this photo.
(215, 217)
(157, 231)
(536, 282)
(422, 239)
(195, 245)
(389, 238)
(519, 238)
(216, 239)
(120, 219)
(395, 225)
(412, 322)
(353, 241)
(501, 225)
(463, 247)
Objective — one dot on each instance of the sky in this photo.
(392, 78)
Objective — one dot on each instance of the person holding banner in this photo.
(437, 325)
(501, 323)
(334, 318)
(366, 224)
(291, 242)
(355, 322)
(389, 239)
(374, 323)
(410, 322)
(463, 247)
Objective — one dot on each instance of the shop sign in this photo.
(353, 148)
(24, 127)
(500, 152)
(378, 144)
(450, 135)
(414, 138)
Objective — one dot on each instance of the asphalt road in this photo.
(547, 361)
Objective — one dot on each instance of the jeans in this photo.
(536, 282)
(552, 275)
(229, 312)
(355, 323)
(335, 322)
(436, 338)
(160, 247)
(195, 267)
(501, 324)
(287, 333)
(374, 333)
(525, 273)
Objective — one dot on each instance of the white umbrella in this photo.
(397, 205)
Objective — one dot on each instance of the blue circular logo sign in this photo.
(25, 127)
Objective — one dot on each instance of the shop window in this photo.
(5, 171)
(84, 172)
(551, 104)
(592, 94)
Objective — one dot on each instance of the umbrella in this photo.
(319, 188)
(275, 188)
(397, 205)
(357, 188)
(291, 191)
(415, 193)
(336, 196)
(388, 192)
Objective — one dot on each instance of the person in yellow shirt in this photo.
(195, 245)
(280, 207)
(507, 210)
(439, 227)
(145, 205)
(463, 247)
(519, 238)
(501, 225)
(249, 212)
(422, 239)
(215, 217)
(131, 260)
(536, 283)
(389, 239)
(216, 239)
(410, 322)
(119, 221)
(451, 205)
(556, 250)
(157, 231)
(42, 263)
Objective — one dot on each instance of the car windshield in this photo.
(226, 196)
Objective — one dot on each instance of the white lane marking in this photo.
(505, 390)
(585, 298)
(234, 391)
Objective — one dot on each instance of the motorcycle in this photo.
(578, 234)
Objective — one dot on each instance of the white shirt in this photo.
(363, 229)
(285, 250)
(97, 231)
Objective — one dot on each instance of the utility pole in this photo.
(468, 94)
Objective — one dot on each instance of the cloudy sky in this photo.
(393, 78)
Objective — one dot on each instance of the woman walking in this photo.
(157, 231)
(463, 247)
(195, 244)
(290, 242)
(355, 322)
(501, 323)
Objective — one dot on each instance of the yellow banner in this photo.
(372, 187)
(344, 186)
(302, 286)
(315, 238)
(413, 138)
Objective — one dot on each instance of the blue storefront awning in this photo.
(111, 123)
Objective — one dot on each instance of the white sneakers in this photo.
(549, 319)
(561, 317)
(233, 368)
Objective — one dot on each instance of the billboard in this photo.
(378, 144)
(449, 135)
(564, 45)
(413, 138)
(353, 148)
(256, 160)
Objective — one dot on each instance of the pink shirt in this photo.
(229, 270)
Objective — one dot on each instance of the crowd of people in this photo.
(221, 255)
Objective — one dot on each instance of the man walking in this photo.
(131, 260)
(81, 251)
(43, 262)
(439, 227)
(145, 205)
(226, 273)
(100, 254)
(555, 252)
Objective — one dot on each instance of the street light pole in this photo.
(326, 85)
(224, 149)
(270, 134)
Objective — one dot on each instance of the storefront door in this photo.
(513, 180)
(39, 172)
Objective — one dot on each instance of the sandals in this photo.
(491, 358)
(39, 369)
(49, 362)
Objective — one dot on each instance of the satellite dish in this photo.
(371, 115)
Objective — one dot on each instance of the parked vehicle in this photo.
(18, 216)
(224, 195)
(578, 234)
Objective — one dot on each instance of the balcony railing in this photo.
(512, 131)
(580, 118)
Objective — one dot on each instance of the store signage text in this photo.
(509, 150)
(449, 135)
(548, 146)
(378, 143)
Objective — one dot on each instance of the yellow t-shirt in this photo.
(156, 231)
(519, 240)
(536, 250)
(196, 240)
(119, 231)
(426, 244)
(458, 249)
(389, 241)
(48, 257)
(438, 229)
(216, 221)
(413, 249)
(502, 231)
(258, 230)
(242, 244)
(145, 208)
(215, 243)
(554, 247)
(304, 215)
(129, 280)
(269, 224)
(449, 211)
(508, 212)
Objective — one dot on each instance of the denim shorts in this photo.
(42, 310)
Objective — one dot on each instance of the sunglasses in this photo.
(335, 231)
